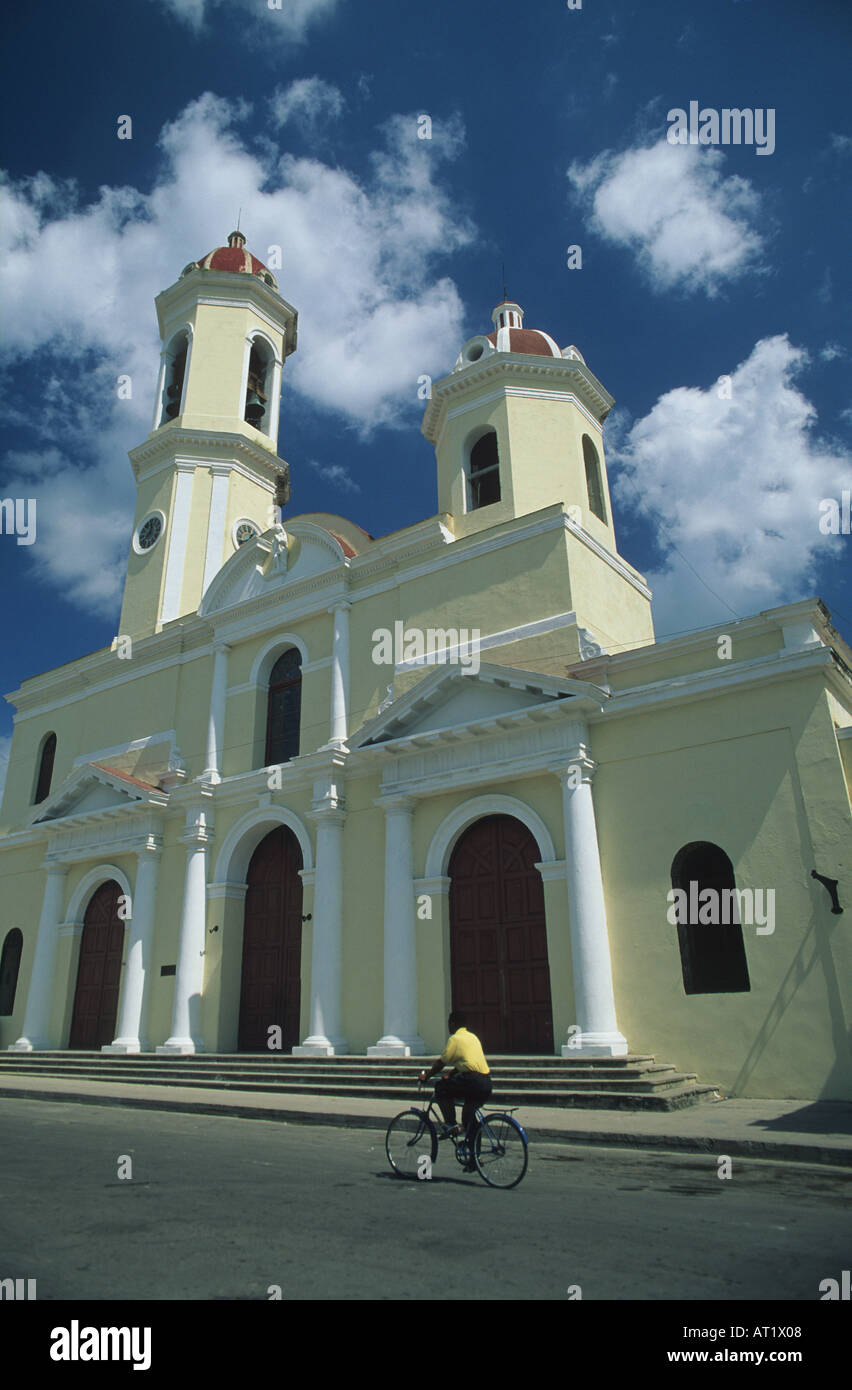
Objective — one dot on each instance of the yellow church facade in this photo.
(323, 787)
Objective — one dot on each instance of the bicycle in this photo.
(500, 1145)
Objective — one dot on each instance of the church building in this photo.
(325, 786)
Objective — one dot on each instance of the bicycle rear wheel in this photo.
(500, 1151)
(411, 1136)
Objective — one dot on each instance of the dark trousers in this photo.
(471, 1087)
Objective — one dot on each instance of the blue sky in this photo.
(549, 127)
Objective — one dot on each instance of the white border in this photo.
(244, 521)
(452, 826)
(243, 839)
(87, 886)
(136, 546)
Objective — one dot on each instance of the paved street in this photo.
(223, 1208)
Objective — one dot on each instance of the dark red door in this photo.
(498, 939)
(99, 971)
(272, 944)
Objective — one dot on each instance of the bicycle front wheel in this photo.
(411, 1144)
(500, 1151)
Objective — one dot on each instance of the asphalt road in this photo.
(226, 1208)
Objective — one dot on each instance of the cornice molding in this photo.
(172, 646)
(171, 444)
(700, 685)
(510, 364)
(129, 830)
(609, 557)
(228, 289)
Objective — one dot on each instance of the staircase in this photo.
(599, 1083)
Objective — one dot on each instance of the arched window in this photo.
(175, 374)
(483, 475)
(258, 404)
(712, 953)
(594, 483)
(45, 769)
(10, 962)
(283, 709)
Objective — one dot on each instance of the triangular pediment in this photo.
(273, 561)
(92, 788)
(450, 698)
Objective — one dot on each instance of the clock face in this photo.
(149, 533)
(246, 532)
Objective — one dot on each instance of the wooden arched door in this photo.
(270, 992)
(498, 938)
(99, 971)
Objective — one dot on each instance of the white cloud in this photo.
(736, 485)
(281, 20)
(336, 475)
(691, 228)
(78, 282)
(190, 11)
(307, 102)
(83, 524)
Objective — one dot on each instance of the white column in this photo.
(241, 405)
(137, 966)
(214, 559)
(401, 1038)
(36, 1032)
(275, 402)
(216, 717)
(326, 1038)
(190, 336)
(161, 386)
(590, 959)
(178, 538)
(340, 675)
(189, 979)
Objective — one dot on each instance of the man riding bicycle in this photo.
(470, 1081)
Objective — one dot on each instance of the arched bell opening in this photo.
(258, 403)
(176, 360)
(482, 469)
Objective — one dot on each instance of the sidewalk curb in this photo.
(781, 1151)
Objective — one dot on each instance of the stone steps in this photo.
(326, 1085)
(613, 1083)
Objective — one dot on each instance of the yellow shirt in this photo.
(464, 1052)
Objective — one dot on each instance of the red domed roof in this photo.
(526, 340)
(510, 335)
(233, 258)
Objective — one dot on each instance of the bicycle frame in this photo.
(493, 1139)
(480, 1120)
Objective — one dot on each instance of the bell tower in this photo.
(208, 476)
(518, 431)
